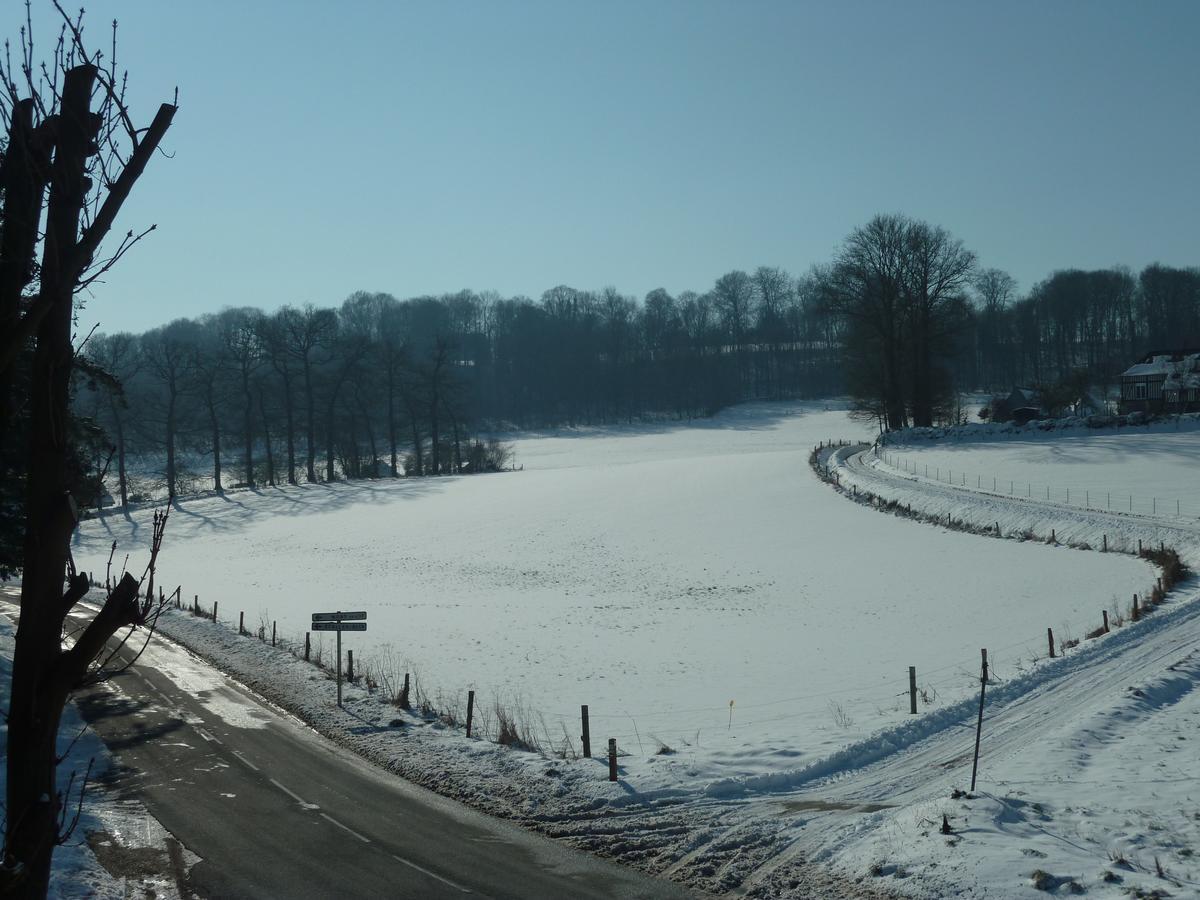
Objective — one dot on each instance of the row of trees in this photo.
(920, 321)
(380, 386)
(1094, 323)
(902, 318)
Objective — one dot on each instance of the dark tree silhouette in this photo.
(89, 159)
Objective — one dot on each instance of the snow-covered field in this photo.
(656, 573)
(1147, 470)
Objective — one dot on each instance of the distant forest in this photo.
(902, 319)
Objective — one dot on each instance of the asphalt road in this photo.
(274, 810)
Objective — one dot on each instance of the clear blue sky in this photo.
(324, 147)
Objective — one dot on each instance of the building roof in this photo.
(1180, 365)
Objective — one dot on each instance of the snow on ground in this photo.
(1148, 470)
(658, 572)
(116, 829)
(654, 573)
(1089, 768)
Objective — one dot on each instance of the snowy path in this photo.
(871, 471)
(1074, 769)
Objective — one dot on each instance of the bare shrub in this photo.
(841, 718)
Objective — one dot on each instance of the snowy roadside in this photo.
(660, 830)
(117, 849)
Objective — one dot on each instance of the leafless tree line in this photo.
(380, 387)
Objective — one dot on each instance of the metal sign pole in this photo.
(339, 658)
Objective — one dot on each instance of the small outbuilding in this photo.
(1162, 381)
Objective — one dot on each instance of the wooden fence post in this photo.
(214, 612)
(612, 759)
(242, 622)
(195, 604)
(1105, 620)
(979, 725)
(350, 666)
(470, 710)
(273, 624)
(1137, 613)
(1104, 545)
(586, 737)
(1053, 536)
(912, 690)
(307, 644)
(405, 694)
(1050, 639)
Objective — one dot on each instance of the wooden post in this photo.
(586, 737)
(1137, 613)
(912, 690)
(612, 759)
(242, 622)
(1104, 546)
(195, 604)
(339, 659)
(406, 700)
(997, 529)
(979, 724)
(214, 611)
(307, 644)
(1105, 620)
(1050, 639)
(273, 624)
(1139, 546)
(350, 666)
(1053, 536)
(470, 710)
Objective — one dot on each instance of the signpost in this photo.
(339, 622)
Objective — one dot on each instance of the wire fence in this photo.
(1099, 500)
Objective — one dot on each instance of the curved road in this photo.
(272, 809)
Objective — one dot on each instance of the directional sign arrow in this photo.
(339, 626)
(338, 616)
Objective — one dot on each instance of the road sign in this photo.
(338, 616)
(337, 621)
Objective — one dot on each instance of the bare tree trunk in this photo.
(43, 672)
(262, 408)
(215, 426)
(391, 423)
(435, 450)
(248, 429)
(172, 474)
(24, 172)
(457, 449)
(119, 427)
(417, 449)
(311, 458)
(38, 690)
(370, 439)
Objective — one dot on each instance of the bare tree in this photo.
(89, 160)
(307, 334)
(240, 337)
